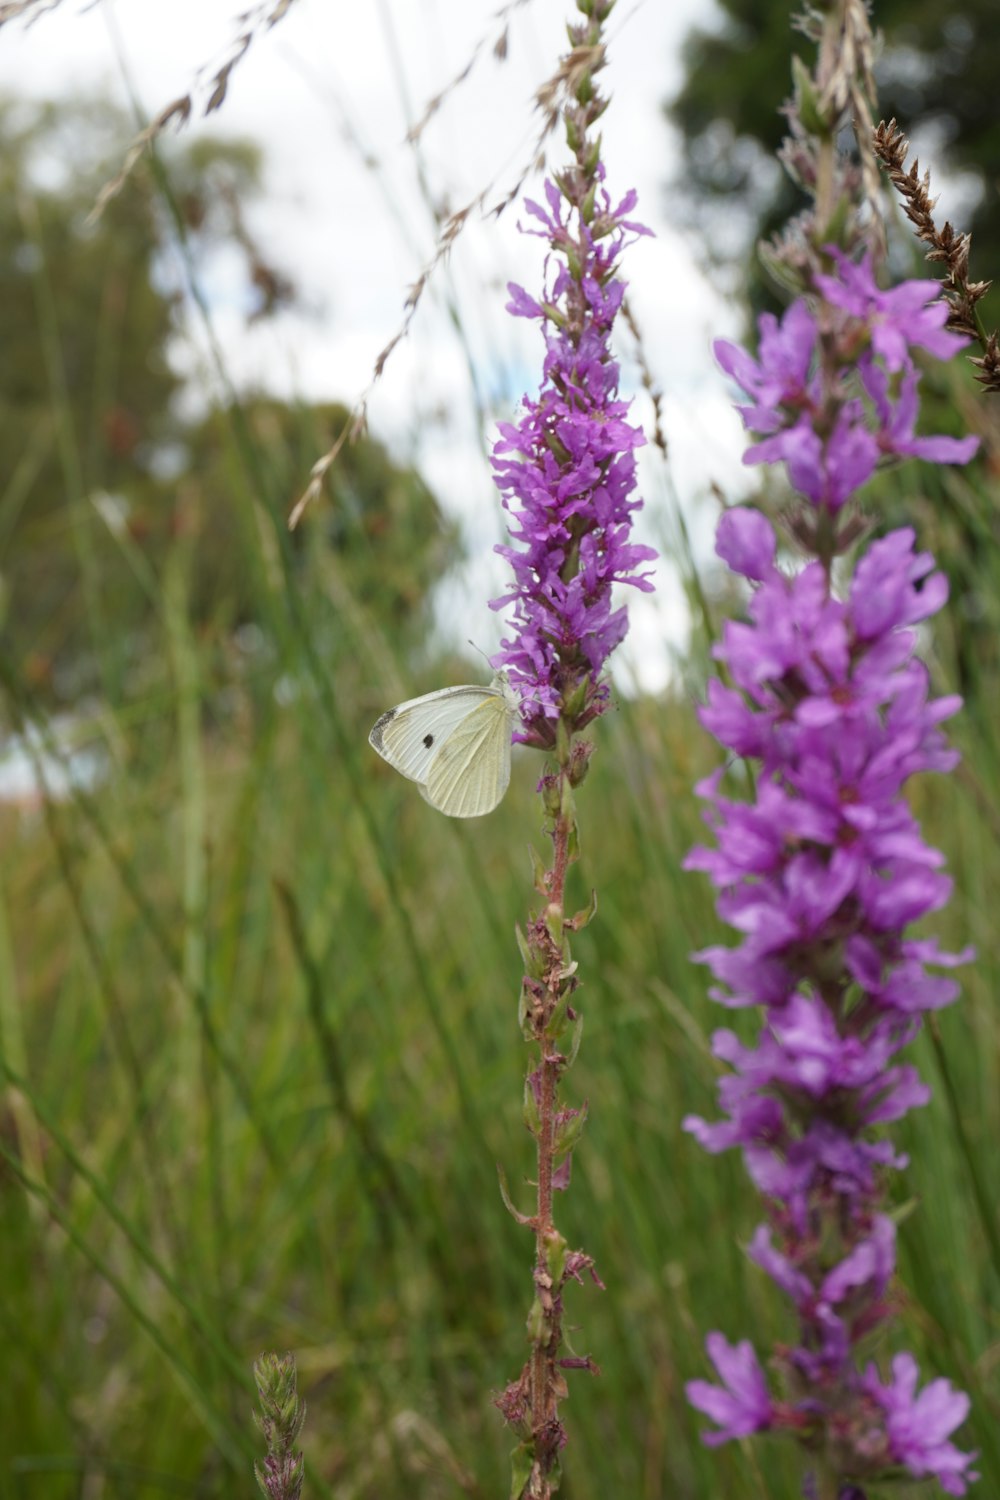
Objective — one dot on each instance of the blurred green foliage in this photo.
(105, 468)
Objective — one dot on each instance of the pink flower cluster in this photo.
(567, 469)
(822, 874)
(803, 384)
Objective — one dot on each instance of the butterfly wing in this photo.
(470, 772)
(411, 735)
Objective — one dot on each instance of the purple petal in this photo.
(745, 540)
(742, 1404)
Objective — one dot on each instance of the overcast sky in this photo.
(329, 93)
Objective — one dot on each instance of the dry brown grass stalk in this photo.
(499, 50)
(549, 99)
(211, 82)
(29, 11)
(948, 248)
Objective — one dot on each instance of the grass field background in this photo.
(259, 1012)
(258, 1021)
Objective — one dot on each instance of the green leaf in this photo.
(557, 1020)
(555, 1256)
(522, 1459)
(575, 1044)
(531, 1116)
(539, 872)
(523, 1020)
(508, 1201)
(537, 1323)
(574, 700)
(570, 1132)
(584, 916)
(533, 960)
(807, 99)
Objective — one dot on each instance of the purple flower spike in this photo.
(918, 1427)
(820, 875)
(818, 863)
(567, 472)
(741, 1405)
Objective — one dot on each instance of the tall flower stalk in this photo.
(566, 472)
(823, 870)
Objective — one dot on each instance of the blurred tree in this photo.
(104, 471)
(86, 392)
(936, 74)
(382, 523)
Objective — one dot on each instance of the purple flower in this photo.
(818, 863)
(918, 1427)
(566, 471)
(745, 541)
(820, 875)
(893, 586)
(801, 387)
(867, 1269)
(788, 397)
(741, 1405)
(910, 315)
(779, 379)
(827, 471)
(897, 421)
(780, 1269)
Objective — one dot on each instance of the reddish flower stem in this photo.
(545, 1381)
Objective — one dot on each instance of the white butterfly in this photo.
(455, 744)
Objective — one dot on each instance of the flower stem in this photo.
(567, 473)
(543, 1403)
(547, 1384)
